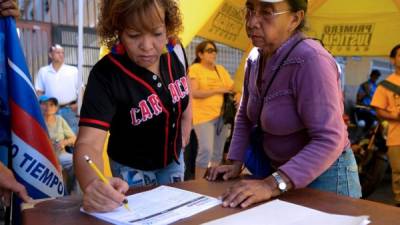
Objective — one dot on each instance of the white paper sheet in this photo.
(161, 205)
(279, 212)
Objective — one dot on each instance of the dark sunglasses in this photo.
(210, 50)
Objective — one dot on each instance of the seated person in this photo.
(61, 135)
(364, 97)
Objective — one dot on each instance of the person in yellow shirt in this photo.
(209, 82)
(386, 100)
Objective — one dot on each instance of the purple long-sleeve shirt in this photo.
(301, 114)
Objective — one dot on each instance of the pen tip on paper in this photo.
(127, 207)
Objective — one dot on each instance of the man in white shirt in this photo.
(60, 80)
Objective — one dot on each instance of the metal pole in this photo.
(80, 54)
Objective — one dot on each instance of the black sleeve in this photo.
(98, 107)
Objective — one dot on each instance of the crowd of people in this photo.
(145, 99)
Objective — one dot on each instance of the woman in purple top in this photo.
(300, 110)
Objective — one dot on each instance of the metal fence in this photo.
(35, 39)
(63, 12)
(67, 37)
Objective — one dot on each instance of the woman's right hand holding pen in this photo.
(101, 197)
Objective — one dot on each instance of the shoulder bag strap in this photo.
(390, 86)
(273, 78)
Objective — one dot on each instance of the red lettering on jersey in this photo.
(185, 86)
(174, 92)
(155, 104)
(135, 120)
(145, 109)
(178, 87)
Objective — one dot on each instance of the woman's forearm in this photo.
(83, 172)
(203, 93)
(91, 143)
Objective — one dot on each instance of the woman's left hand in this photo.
(9, 8)
(246, 193)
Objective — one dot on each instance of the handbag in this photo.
(256, 161)
(228, 110)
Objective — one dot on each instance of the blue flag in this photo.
(33, 160)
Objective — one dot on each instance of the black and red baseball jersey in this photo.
(141, 110)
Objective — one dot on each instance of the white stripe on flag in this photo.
(21, 74)
(36, 169)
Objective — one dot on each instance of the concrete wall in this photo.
(357, 70)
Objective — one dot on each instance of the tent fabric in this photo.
(314, 5)
(358, 27)
(195, 16)
(226, 25)
(348, 28)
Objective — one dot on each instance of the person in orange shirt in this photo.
(209, 82)
(387, 104)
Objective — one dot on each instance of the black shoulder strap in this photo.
(273, 78)
(390, 86)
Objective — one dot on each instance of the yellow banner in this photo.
(195, 15)
(358, 27)
(348, 28)
(227, 25)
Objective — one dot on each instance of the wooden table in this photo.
(65, 211)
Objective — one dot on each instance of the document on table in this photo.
(161, 205)
(279, 212)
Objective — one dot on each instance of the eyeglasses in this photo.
(210, 50)
(265, 14)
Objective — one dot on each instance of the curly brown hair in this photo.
(116, 15)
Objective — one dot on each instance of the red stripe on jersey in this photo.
(31, 132)
(179, 108)
(93, 121)
(148, 87)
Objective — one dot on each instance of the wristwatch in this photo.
(282, 186)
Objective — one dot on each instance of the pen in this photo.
(103, 178)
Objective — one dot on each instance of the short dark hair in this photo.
(297, 5)
(375, 73)
(394, 51)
